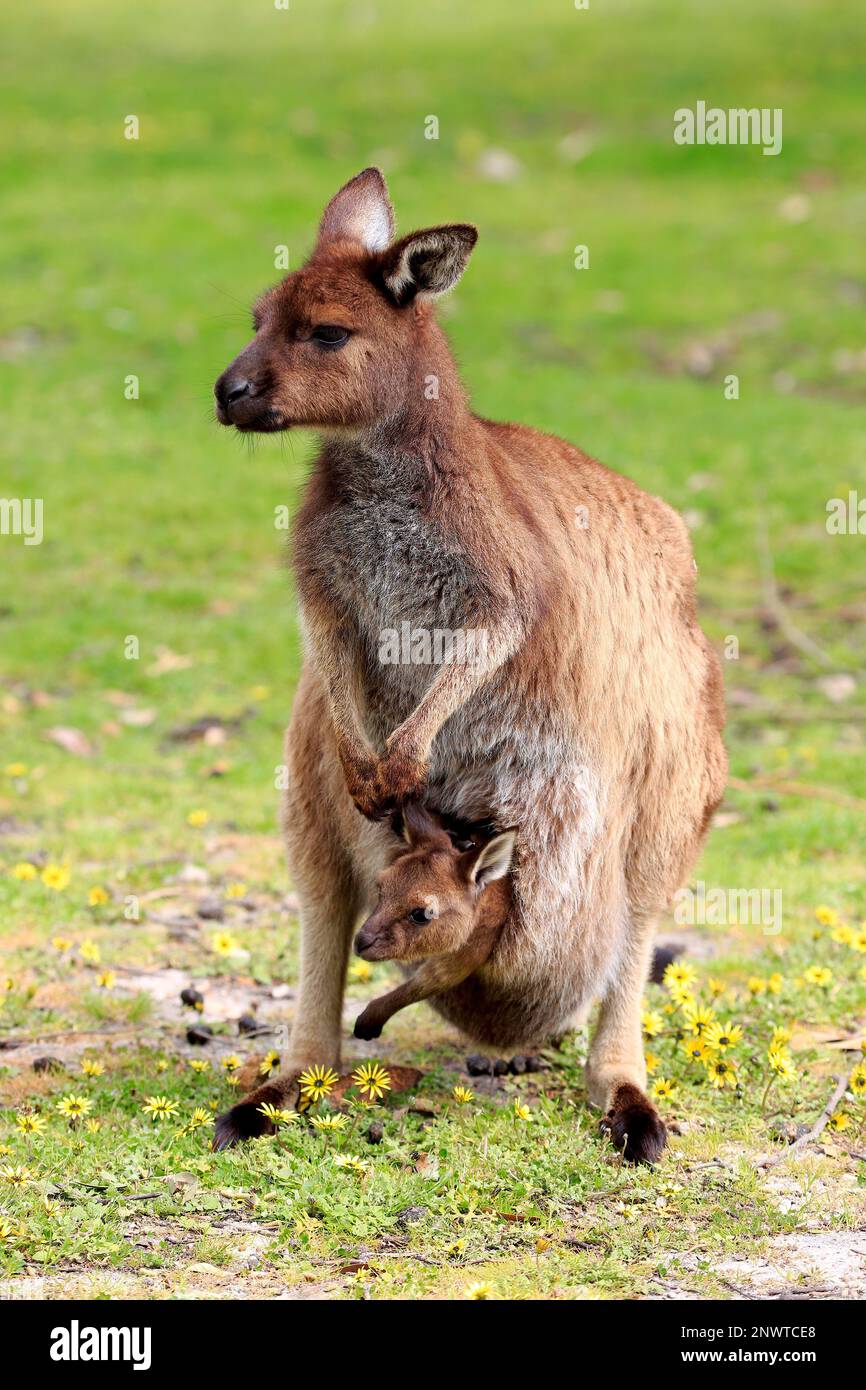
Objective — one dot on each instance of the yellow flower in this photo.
(91, 1068)
(16, 1175)
(723, 1035)
(106, 979)
(755, 985)
(317, 1082)
(716, 987)
(479, 1291)
(269, 1063)
(277, 1116)
(197, 818)
(818, 975)
(695, 1049)
(199, 1118)
(652, 1063)
(843, 935)
(30, 1124)
(679, 976)
(521, 1111)
(362, 971)
(236, 890)
(372, 1080)
(24, 871)
(55, 876)
(827, 916)
(780, 1037)
(93, 1126)
(89, 951)
(97, 896)
(838, 1121)
(776, 983)
(699, 1017)
(782, 1063)
(328, 1123)
(73, 1107)
(224, 943)
(722, 1072)
(682, 996)
(9, 1234)
(857, 1080)
(162, 1064)
(652, 1023)
(160, 1108)
(230, 1063)
(15, 769)
(462, 1095)
(198, 1064)
(260, 692)
(662, 1089)
(358, 1166)
(61, 943)
(859, 941)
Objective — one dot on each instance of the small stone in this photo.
(375, 1133)
(47, 1064)
(247, 1024)
(211, 909)
(191, 997)
(198, 1034)
(500, 1067)
(476, 1065)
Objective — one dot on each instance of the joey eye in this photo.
(421, 916)
(330, 335)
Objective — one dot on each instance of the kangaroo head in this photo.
(340, 342)
(430, 894)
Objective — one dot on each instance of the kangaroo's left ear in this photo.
(492, 861)
(428, 262)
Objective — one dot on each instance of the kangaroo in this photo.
(438, 903)
(589, 718)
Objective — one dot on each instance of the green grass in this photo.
(139, 258)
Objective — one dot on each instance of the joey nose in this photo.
(231, 389)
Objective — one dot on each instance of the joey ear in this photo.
(493, 860)
(420, 825)
(428, 262)
(361, 211)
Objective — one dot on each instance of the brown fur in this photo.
(593, 722)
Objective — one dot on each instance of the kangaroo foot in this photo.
(369, 1024)
(635, 1126)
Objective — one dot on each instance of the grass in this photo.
(137, 258)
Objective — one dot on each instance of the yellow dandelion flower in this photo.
(818, 975)
(231, 1063)
(755, 985)
(93, 1126)
(782, 1063)
(15, 770)
(91, 1068)
(695, 1049)
(236, 890)
(699, 1018)
(652, 1023)
(260, 692)
(723, 1035)
(55, 876)
(97, 897)
(479, 1292)
(328, 1123)
(199, 1118)
(317, 1082)
(652, 1063)
(722, 1071)
(843, 935)
(30, 1124)
(352, 1164)
(361, 971)
(16, 1175)
(106, 979)
(859, 941)
(198, 1064)
(679, 974)
(224, 943)
(827, 916)
(9, 1234)
(715, 987)
(74, 1107)
(270, 1062)
(372, 1080)
(462, 1095)
(663, 1089)
(89, 951)
(277, 1116)
(775, 983)
(521, 1111)
(197, 818)
(161, 1064)
(857, 1080)
(61, 943)
(682, 996)
(160, 1108)
(26, 872)
(839, 1121)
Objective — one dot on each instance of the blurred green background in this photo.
(555, 129)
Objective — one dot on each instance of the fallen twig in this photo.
(809, 1138)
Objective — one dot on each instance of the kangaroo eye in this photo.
(330, 335)
(421, 915)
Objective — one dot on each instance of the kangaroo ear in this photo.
(428, 262)
(420, 826)
(361, 211)
(493, 860)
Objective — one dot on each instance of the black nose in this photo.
(363, 940)
(233, 389)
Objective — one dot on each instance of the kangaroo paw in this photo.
(367, 1027)
(245, 1120)
(635, 1126)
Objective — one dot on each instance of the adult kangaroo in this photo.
(589, 717)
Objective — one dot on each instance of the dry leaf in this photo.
(70, 740)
